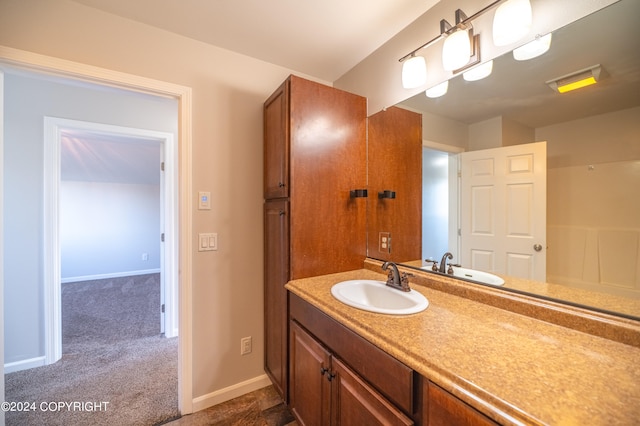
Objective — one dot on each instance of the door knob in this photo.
(537, 247)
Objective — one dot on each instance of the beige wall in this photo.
(228, 91)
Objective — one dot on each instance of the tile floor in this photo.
(263, 407)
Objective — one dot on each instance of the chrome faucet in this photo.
(396, 279)
(443, 263)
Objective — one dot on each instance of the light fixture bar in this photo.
(462, 24)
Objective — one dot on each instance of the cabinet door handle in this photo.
(330, 376)
(280, 184)
(323, 370)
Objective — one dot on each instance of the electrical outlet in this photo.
(245, 345)
(384, 242)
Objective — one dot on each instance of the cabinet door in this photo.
(328, 160)
(276, 143)
(395, 164)
(309, 379)
(445, 409)
(357, 403)
(276, 275)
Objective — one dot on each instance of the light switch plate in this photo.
(208, 242)
(204, 200)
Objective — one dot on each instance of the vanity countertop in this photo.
(513, 368)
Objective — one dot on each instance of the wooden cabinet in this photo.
(395, 165)
(325, 391)
(441, 408)
(310, 393)
(314, 155)
(337, 377)
(276, 273)
(276, 144)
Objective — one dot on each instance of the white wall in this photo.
(27, 102)
(106, 227)
(593, 210)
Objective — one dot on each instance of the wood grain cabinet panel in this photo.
(276, 143)
(276, 275)
(444, 409)
(310, 398)
(314, 155)
(395, 164)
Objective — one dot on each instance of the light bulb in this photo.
(437, 90)
(456, 50)
(414, 72)
(478, 72)
(511, 22)
(533, 49)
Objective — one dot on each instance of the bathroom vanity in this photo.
(460, 361)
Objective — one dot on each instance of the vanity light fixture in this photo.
(461, 50)
(478, 72)
(576, 80)
(533, 49)
(414, 72)
(456, 50)
(438, 90)
(511, 22)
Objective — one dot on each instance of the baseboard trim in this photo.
(111, 275)
(228, 393)
(12, 367)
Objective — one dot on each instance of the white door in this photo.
(503, 210)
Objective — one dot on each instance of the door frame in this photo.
(76, 71)
(53, 128)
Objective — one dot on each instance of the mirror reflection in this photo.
(590, 245)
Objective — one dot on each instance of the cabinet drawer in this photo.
(389, 376)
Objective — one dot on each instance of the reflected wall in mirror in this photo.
(592, 247)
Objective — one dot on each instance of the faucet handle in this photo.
(435, 267)
(404, 281)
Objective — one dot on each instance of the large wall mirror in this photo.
(592, 242)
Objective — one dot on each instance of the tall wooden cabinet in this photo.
(395, 166)
(314, 156)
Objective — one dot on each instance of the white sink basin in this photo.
(472, 274)
(480, 276)
(376, 296)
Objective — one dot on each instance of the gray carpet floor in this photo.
(116, 368)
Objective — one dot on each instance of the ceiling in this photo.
(324, 38)
(108, 158)
(518, 90)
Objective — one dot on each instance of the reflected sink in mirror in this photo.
(473, 275)
(376, 296)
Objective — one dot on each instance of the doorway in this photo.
(107, 154)
(181, 240)
(440, 187)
